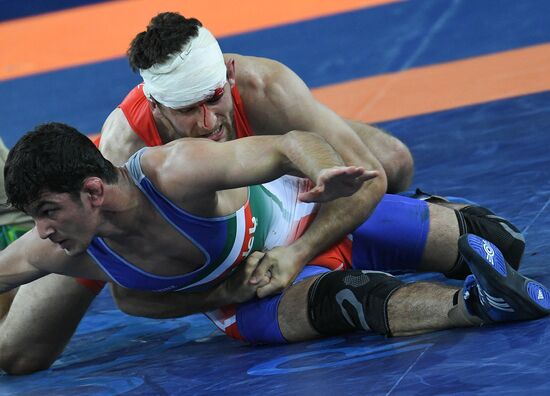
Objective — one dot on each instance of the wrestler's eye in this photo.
(218, 94)
(188, 110)
(49, 212)
(214, 99)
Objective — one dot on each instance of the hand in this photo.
(337, 182)
(238, 287)
(280, 266)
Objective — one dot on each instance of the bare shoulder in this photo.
(118, 140)
(180, 169)
(255, 76)
(170, 165)
(272, 94)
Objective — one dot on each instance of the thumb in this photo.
(266, 290)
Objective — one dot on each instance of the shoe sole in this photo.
(529, 299)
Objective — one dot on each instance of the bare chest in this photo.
(160, 248)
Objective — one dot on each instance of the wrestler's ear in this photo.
(230, 64)
(93, 189)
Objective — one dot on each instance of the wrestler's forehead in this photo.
(34, 207)
(218, 93)
(48, 197)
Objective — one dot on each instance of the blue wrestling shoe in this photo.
(496, 292)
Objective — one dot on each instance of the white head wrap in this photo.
(189, 76)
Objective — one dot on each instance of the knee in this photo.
(15, 361)
(399, 166)
(393, 154)
(344, 301)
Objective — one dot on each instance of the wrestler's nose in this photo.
(44, 228)
(207, 118)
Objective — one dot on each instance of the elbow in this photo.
(123, 301)
(128, 309)
(378, 186)
(128, 302)
(133, 310)
(372, 192)
(399, 168)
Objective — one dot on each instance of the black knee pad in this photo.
(344, 301)
(484, 223)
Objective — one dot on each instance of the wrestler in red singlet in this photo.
(137, 111)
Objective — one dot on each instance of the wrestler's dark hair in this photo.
(166, 34)
(53, 157)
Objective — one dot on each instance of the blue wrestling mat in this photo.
(492, 151)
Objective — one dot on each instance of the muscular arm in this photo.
(188, 169)
(118, 140)
(45, 313)
(166, 305)
(282, 103)
(16, 263)
(235, 289)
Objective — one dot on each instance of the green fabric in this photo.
(7, 214)
(9, 233)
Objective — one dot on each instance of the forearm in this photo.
(338, 218)
(11, 277)
(12, 281)
(307, 153)
(335, 220)
(169, 305)
(7, 285)
(16, 267)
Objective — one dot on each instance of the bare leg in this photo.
(424, 307)
(393, 154)
(413, 309)
(293, 313)
(441, 249)
(40, 322)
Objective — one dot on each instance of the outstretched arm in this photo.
(31, 257)
(15, 266)
(187, 169)
(283, 103)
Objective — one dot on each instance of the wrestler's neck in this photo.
(123, 210)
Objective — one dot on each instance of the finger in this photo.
(251, 263)
(269, 289)
(311, 195)
(249, 267)
(368, 175)
(261, 270)
(263, 281)
(354, 170)
(257, 255)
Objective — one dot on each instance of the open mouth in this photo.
(63, 244)
(216, 135)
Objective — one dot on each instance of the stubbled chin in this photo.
(229, 135)
(73, 250)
